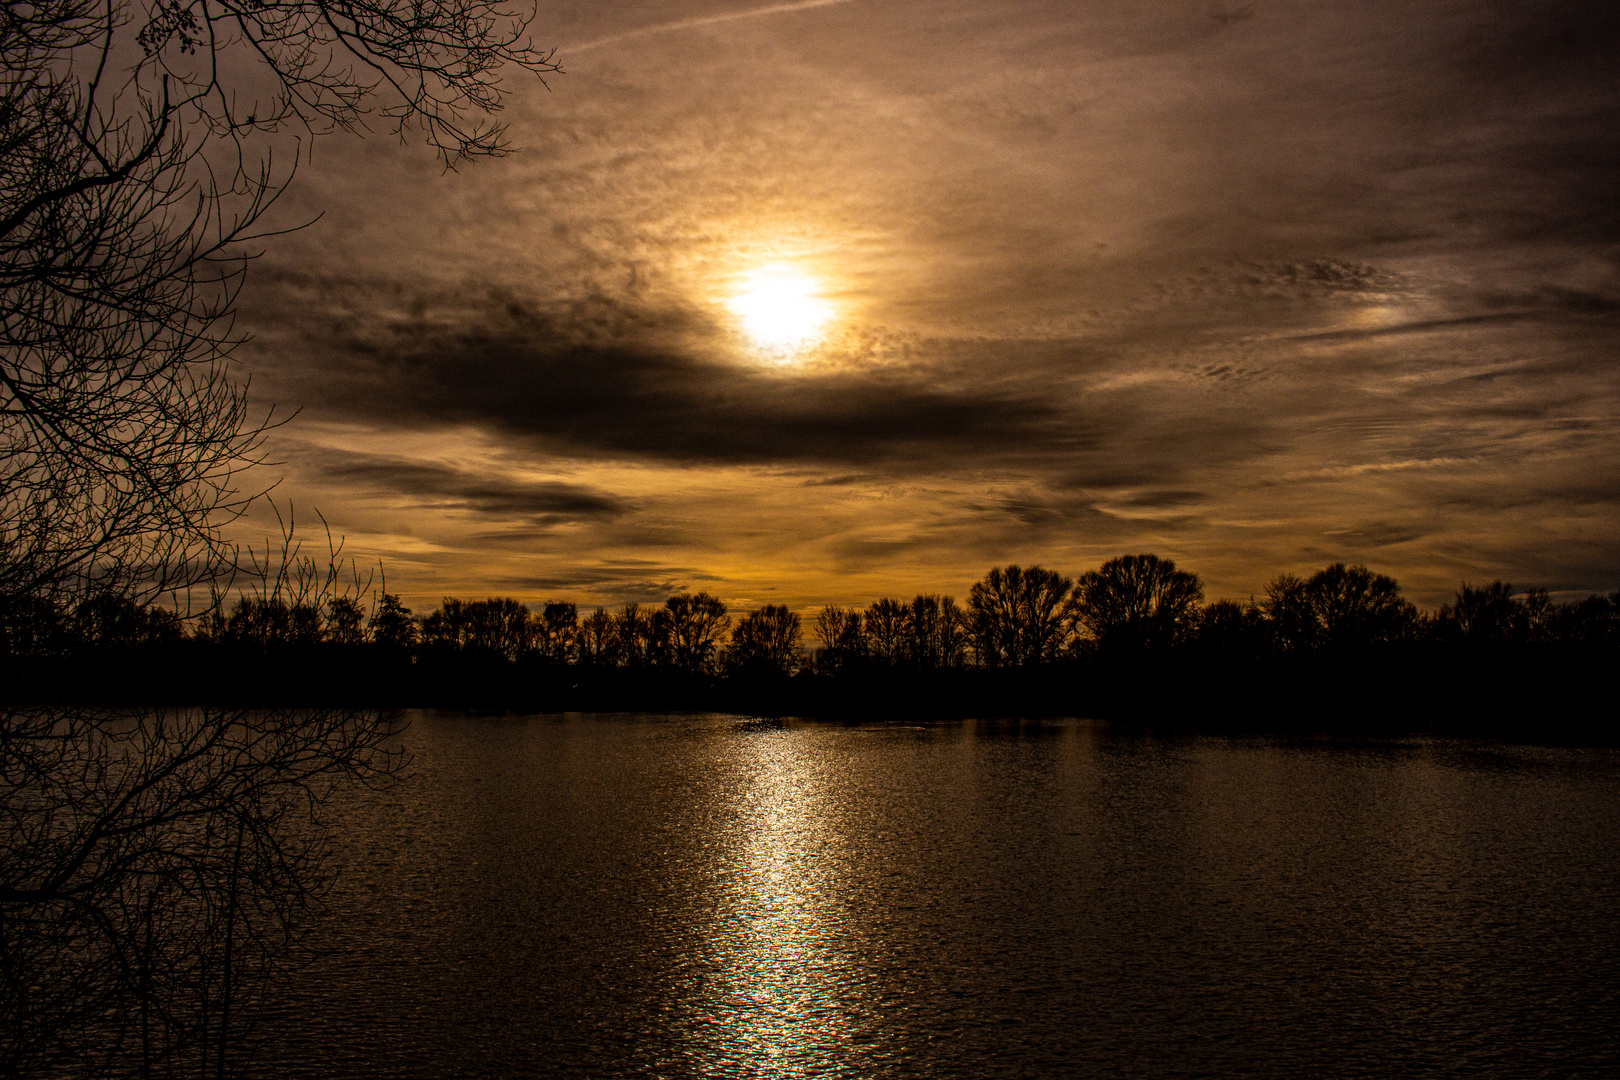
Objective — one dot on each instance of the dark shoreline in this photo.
(1559, 693)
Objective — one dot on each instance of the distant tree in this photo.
(557, 632)
(1232, 630)
(1339, 606)
(1136, 602)
(500, 626)
(1492, 613)
(597, 644)
(936, 634)
(31, 625)
(305, 626)
(1356, 607)
(391, 624)
(843, 639)
(345, 621)
(1593, 621)
(765, 643)
(888, 629)
(630, 631)
(1019, 616)
(260, 621)
(1287, 608)
(696, 623)
(1540, 614)
(445, 628)
(110, 619)
(643, 636)
(1486, 614)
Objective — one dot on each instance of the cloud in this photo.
(422, 483)
(1257, 286)
(701, 21)
(609, 379)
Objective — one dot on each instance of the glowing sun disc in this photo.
(779, 309)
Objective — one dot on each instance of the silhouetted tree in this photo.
(643, 636)
(1288, 609)
(1356, 607)
(1019, 616)
(1593, 621)
(1136, 602)
(887, 625)
(556, 632)
(345, 621)
(262, 622)
(288, 591)
(1539, 613)
(765, 643)
(501, 626)
(145, 860)
(31, 625)
(843, 639)
(1230, 630)
(936, 634)
(446, 629)
(391, 625)
(597, 644)
(110, 620)
(696, 622)
(1486, 614)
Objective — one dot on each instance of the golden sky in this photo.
(825, 301)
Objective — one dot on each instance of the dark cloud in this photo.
(628, 582)
(608, 379)
(438, 485)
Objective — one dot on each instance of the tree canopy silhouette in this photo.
(1339, 606)
(1138, 602)
(1019, 616)
(695, 622)
(765, 643)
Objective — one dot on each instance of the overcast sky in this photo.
(1254, 286)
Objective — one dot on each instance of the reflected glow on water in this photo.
(663, 897)
(772, 1001)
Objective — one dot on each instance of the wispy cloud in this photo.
(428, 484)
(699, 21)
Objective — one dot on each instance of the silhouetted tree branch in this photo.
(135, 167)
(153, 869)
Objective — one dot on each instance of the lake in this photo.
(704, 896)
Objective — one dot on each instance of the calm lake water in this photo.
(703, 896)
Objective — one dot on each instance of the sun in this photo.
(780, 308)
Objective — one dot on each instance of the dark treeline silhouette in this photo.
(1131, 638)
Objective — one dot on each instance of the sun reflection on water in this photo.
(775, 999)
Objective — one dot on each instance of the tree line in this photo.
(1133, 607)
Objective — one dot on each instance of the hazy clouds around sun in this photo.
(1257, 287)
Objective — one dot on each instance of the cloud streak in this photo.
(696, 22)
(430, 485)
